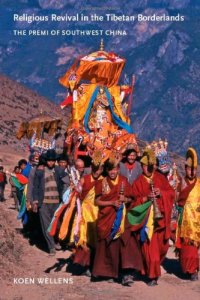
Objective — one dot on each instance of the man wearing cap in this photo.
(62, 161)
(47, 194)
(116, 246)
(152, 191)
(130, 167)
(188, 231)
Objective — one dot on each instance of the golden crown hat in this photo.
(191, 158)
(133, 146)
(97, 158)
(148, 157)
(159, 146)
(114, 159)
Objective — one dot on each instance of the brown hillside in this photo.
(17, 104)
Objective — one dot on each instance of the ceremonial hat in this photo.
(191, 158)
(163, 160)
(131, 148)
(113, 161)
(148, 157)
(97, 158)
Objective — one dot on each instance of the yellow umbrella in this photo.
(39, 124)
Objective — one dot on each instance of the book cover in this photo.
(151, 52)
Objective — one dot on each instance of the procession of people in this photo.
(115, 229)
(116, 207)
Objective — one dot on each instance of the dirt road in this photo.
(38, 276)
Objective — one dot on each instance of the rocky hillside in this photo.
(11, 247)
(19, 104)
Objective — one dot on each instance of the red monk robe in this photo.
(83, 254)
(155, 250)
(125, 248)
(188, 248)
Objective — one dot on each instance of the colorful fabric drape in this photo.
(65, 228)
(52, 229)
(65, 209)
(78, 220)
(23, 211)
(21, 179)
(100, 67)
(87, 230)
(115, 92)
(16, 183)
(149, 228)
(139, 214)
(141, 218)
(118, 225)
(116, 119)
(190, 229)
(66, 196)
(20, 182)
(188, 186)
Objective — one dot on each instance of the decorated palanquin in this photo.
(41, 131)
(100, 118)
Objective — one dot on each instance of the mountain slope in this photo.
(19, 104)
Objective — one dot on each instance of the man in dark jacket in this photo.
(47, 194)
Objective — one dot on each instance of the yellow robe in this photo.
(190, 227)
(88, 234)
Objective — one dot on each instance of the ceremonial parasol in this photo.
(100, 67)
(38, 125)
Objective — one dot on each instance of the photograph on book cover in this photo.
(99, 144)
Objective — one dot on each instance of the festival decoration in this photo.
(99, 105)
(41, 132)
(160, 149)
